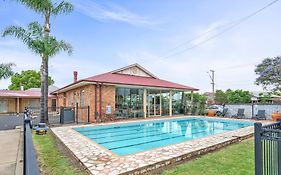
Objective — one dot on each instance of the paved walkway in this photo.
(11, 151)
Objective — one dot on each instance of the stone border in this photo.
(99, 160)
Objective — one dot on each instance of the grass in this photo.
(51, 160)
(235, 159)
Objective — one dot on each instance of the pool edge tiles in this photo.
(132, 138)
(100, 161)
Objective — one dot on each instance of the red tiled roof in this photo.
(114, 78)
(21, 94)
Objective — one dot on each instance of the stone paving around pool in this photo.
(99, 160)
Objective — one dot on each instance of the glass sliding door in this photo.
(154, 103)
(165, 102)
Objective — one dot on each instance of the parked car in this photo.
(217, 108)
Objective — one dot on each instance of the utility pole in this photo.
(212, 77)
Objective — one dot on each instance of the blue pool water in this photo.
(124, 139)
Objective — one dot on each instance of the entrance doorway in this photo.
(154, 104)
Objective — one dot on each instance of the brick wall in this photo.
(108, 98)
(74, 95)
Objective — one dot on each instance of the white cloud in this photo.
(110, 12)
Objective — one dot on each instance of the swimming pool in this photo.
(129, 138)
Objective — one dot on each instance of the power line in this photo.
(198, 36)
(220, 33)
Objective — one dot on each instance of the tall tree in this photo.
(239, 96)
(28, 79)
(221, 97)
(46, 47)
(6, 70)
(269, 74)
(46, 8)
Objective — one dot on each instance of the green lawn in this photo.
(51, 160)
(235, 159)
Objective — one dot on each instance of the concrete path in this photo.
(11, 152)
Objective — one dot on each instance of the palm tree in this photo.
(46, 8)
(6, 70)
(44, 45)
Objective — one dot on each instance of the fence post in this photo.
(258, 149)
(76, 106)
(24, 146)
(61, 115)
(279, 148)
(88, 114)
(253, 115)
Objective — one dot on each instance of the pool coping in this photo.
(99, 160)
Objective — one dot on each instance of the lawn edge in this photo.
(197, 154)
(62, 149)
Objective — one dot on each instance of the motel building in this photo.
(15, 101)
(128, 92)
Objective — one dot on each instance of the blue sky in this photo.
(107, 35)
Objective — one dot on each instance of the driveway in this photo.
(11, 151)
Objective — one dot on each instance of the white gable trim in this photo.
(134, 69)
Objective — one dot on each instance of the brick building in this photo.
(14, 101)
(131, 91)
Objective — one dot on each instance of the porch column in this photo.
(154, 107)
(148, 104)
(191, 96)
(160, 103)
(170, 103)
(144, 102)
(18, 105)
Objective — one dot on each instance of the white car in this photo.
(217, 108)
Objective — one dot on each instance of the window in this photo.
(3, 105)
(82, 98)
(165, 103)
(54, 105)
(178, 106)
(129, 101)
(70, 100)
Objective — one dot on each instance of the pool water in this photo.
(123, 139)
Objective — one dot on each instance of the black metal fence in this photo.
(62, 115)
(268, 149)
(30, 166)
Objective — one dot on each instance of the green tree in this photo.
(197, 103)
(265, 98)
(28, 79)
(269, 74)
(221, 97)
(39, 41)
(239, 96)
(6, 70)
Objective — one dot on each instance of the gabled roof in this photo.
(136, 65)
(117, 77)
(21, 94)
(51, 88)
